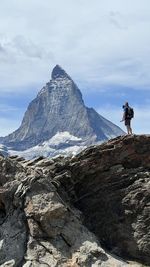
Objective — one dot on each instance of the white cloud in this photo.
(8, 108)
(105, 42)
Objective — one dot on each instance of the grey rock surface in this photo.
(62, 211)
(111, 185)
(59, 107)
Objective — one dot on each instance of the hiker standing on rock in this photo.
(128, 114)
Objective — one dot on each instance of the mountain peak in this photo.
(59, 107)
(59, 72)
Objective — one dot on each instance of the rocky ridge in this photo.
(87, 211)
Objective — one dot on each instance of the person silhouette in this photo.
(127, 116)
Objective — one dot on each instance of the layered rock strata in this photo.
(90, 210)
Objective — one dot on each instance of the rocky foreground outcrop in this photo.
(88, 211)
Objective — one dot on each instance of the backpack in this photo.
(130, 113)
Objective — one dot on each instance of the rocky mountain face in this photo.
(90, 210)
(59, 107)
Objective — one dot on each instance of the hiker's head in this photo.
(126, 104)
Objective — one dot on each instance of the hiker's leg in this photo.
(128, 129)
(126, 124)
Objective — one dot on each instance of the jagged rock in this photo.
(59, 107)
(61, 212)
(112, 188)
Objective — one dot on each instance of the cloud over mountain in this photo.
(108, 43)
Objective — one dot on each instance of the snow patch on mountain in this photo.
(62, 143)
(61, 138)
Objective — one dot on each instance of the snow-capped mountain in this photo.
(59, 108)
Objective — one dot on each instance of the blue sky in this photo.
(104, 45)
